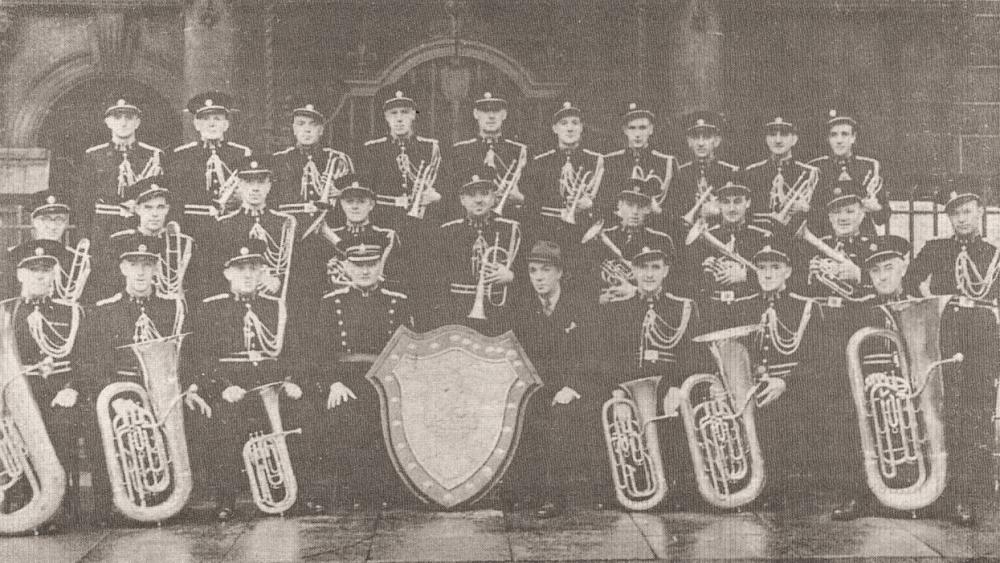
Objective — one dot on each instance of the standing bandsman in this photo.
(489, 149)
(241, 346)
(780, 186)
(561, 184)
(637, 161)
(307, 172)
(202, 171)
(108, 169)
(475, 257)
(402, 168)
(49, 219)
(843, 164)
(696, 178)
(718, 268)
(45, 330)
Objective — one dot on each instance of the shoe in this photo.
(225, 514)
(549, 510)
(962, 515)
(850, 510)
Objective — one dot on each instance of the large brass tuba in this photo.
(629, 418)
(32, 481)
(267, 461)
(719, 420)
(143, 436)
(898, 396)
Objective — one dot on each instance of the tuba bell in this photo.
(32, 481)
(719, 421)
(267, 461)
(143, 436)
(898, 395)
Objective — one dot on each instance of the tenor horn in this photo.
(267, 461)
(143, 436)
(719, 423)
(32, 481)
(898, 396)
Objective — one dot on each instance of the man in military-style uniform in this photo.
(201, 172)
(637, 161)
(780, 184)
(696, 178)
(347, 331)
(45, 330)
(843, 164)
(108, 169)
(306, 172)
(241, 345)
(391, 164)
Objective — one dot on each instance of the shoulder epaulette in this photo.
(806, 166)
(756, 165)
(283, 151)
(819, 159)
(393, 293)
(508, 221)
(215, 298)
(453, 222)
(387, 230)
(618, 152)
(686, 164)
(427, 140)
(517, 144)
(277, 213)
(661, 154)
(612, 229)
(98, 147)
(746, 297)
(677, 298)
(659, 233)
(866, 159)
(592, 153)
(149, 147)
(715, 227)
(246, 150)
(11, 248)
(465, 142)
(371, 142)
(761, 230)
(339, 291)
(229, 215)
(732, 167)
(187, 146)
(113, 299)
(5, 302)
(800, 297)
(123, 233)
(544, 154)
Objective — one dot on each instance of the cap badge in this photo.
(50, 199)
(121, 103)
(475, 177)
(253, 164)
(399, 93)
(873, 247)
(700, 122)
(39, 251)
(487, 95)
(767, 248)
(310, 107)
(837, 191)
(632, 106)
(208, 103)
(567, 105)
(833, 113)
(355, 184)
(778, 120)
(142, 248)
(953, 195)
(244, 251)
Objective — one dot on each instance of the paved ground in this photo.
(803, 529)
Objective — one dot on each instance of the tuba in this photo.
(719, 421)
(898, 396)
(143, 436)
(267, 461)
(32, 481)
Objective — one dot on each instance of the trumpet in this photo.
(833, 259)
(485, 257)
(422, 177)
(898, 396)
(174, 262)
(29, 465)
(873, 181)
(267, 461)
(704, 196)
(574, 185)
(507, 183)
(70, 285)
(800, 192)
(700, 231)
(719, 423)
(143, 438)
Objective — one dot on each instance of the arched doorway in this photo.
(76, 122)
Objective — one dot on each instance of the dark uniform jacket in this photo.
(108, 279)
(745, 240)
(10, 287)
(937, 261)
(684, 191)
(473, 156)
(760, 178)
(186, 167)
(791, 338)
(60, 322)
(290, 188)
(630, 241)
(831, 169)
(623, 165)
(101, 184)
(379, 167)
(243, 225)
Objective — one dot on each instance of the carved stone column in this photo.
(695, 72)
(210, 38)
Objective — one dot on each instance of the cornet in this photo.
(705, 195)
(267, 461)
(574, 185)
(493, 255)
(833, 258)
(800, 192)
(507, 183)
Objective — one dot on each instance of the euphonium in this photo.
(630, 433)
(32, 481)
(719, 420)
(143, 436)
(898, 396)
(267, 461)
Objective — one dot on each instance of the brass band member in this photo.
(637, 161)
(46, 328)
(348, 329)
(965, 266)
(241, 346)
(490, 149)
(402, 169)
(697, 178)
(843, 164)
(780, 185)
(475, 257)
(307, 172)
(108, 169)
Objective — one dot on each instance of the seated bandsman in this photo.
(696, 179)
(45, 330)
(347, 331)
(490, 149)
(560, 185)
(843, 164)
(108, 169)
(717, 264)
(402, 169)
(49, 219)
(609, 248)
(474, 260)
(240, 347)
(307, 172)
(637, 161)
(780, 186)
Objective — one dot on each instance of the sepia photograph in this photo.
(499, 280)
